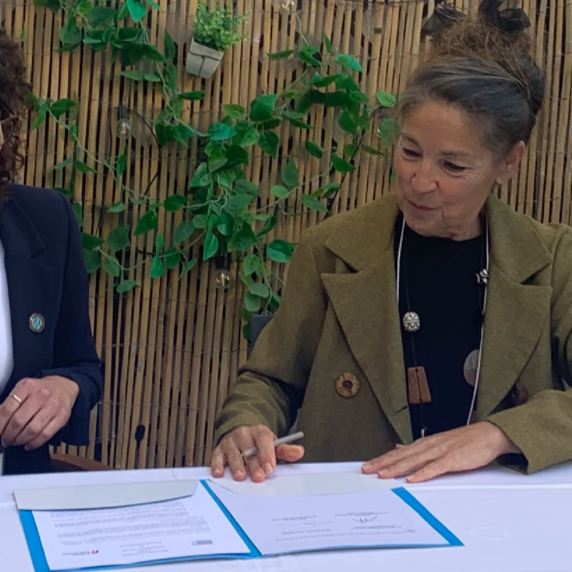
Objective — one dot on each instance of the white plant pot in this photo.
(202, 61)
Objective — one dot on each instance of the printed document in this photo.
(188, 527)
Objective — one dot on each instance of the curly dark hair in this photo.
(14, 101)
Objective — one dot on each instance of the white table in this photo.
(508, 522)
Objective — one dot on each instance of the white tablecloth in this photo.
(508, 522)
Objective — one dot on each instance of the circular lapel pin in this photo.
(347, 385)
(37, 323)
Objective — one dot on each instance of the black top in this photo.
(438, 282)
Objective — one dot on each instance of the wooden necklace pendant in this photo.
(411, 322)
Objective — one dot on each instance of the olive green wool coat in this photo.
(339, 316)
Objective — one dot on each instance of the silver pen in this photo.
(282, 441)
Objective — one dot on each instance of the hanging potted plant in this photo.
(214, 31)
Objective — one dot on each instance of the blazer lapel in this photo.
(364, 303)
(30, 286)
(516, 311)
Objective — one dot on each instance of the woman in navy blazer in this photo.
(55, 377)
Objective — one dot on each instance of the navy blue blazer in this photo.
(46, 275)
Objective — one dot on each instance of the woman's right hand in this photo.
(231, 447)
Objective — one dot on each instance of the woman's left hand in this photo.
(454, 451)
(39, 410)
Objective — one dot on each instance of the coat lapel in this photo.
(364, 303)
(516, 311)
(30, 285)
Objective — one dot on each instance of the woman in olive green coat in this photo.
(435, 318)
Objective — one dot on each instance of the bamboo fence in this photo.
(171, 348)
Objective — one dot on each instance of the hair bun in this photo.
(510, 20)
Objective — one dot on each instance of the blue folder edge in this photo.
(427, 516)
(40, 563)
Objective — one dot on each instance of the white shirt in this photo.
(6, 353)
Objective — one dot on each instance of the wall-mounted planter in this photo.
(202, 61)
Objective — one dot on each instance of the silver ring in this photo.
(16, 398)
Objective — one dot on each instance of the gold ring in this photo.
(16, 398)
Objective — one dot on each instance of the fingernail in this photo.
(217, 472)
(366, 466)
(382, 473)
(239, 475)
(268, 468)
(258, 476)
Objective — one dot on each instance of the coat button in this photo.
(347, 385)
(518, 395)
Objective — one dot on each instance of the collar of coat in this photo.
(364, 299)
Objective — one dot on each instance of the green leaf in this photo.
(290, 174)
(270, 223)
(358, 97)
(263, 107)
(319, 81)
(314, 149)
(200, 221)
(53, 5)
(137, 10)
(252, 265)
(153, 77)
(201, 177)
(196, 95)
(183, 231)
(136, 75)
(251, 137)
(306, 55)
(372, 150)
(259, 289)
(220, 132)
(101, 16)
(244, 186)
(349, 62)
(280, 55)
(269, 142)
(111, 266)
(151, 52)
(118, 238)
(280, 191)
(341, 165)
(90, 242)
(335, 99)
(159, 242)
(329, 190)
(121, 164)
(234, 111)
(172, 258)
(84, 8)
(147, 222)
(70, 35)
(63, 164)
(158, 8)
(126, 286)
(389, 132)
(170, 49)
(313, 204)
(92, 260)
(174, 203)
(41, 115)
(65, 192)
(165, 133)
(157, 267)
(386, 99)
(244, 239)
(62, 106)
(78, 213)
(328, 43)
(300, 124)
(83, 167)
(251, 302)
(225, 224)
(280, 250)
(237, 203)
(187, 267)
(211, 245)
(237, 156)
(116, 207)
